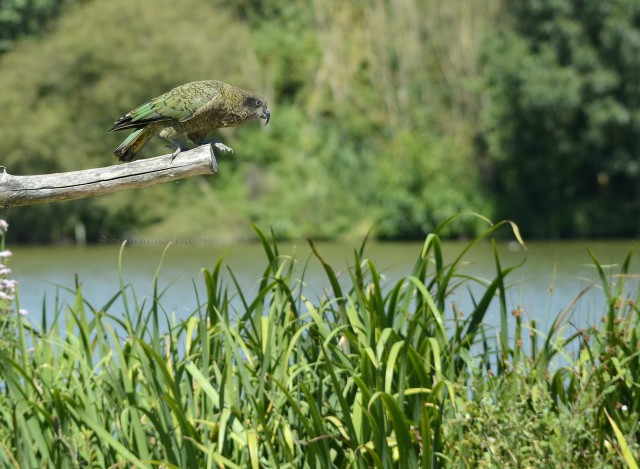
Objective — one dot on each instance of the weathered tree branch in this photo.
(39, 189)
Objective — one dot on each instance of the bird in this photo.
(195, 110)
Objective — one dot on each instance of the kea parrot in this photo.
(194, 109)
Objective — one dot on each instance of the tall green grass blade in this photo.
(333, 280)
(124, 455)
(624, 447)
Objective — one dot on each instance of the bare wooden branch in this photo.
(39, 189)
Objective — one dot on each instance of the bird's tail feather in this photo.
(128, 149)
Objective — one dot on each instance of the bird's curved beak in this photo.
(266, 114)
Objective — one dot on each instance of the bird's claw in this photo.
(223, 147)
(175, 153)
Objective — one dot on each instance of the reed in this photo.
(375, 373)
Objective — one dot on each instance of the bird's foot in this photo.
(222, 147)
(175, 153)
(177, 149)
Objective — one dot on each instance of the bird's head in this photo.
(258, 107)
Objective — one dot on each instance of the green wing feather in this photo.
(180, 104)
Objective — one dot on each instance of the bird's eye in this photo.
(258, 103)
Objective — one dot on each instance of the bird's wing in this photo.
(180, 104)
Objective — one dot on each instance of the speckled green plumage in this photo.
(194, 109)
(180, 103)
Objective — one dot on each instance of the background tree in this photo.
(392, 113)
(563, 126)
(24, 17)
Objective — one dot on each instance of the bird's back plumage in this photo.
(179, 104)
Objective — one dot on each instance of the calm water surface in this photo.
(552, 275)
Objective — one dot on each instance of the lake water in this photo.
(552, 275)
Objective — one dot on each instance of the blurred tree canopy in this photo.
(562, 130)
(101, 60)
(394, 114)
(23, 17)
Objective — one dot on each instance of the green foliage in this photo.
(365, 142)
(563, 126)
(103, 59)
(389, 114)
(420, 181)
(513, 421)
(357, 139)
(582, 413)
(372, 374)
(24, 17)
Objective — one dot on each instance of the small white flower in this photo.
(4, 226)
(5, 253)
(5, 296)
(623, 408)
(8, 286)
(5, 270)
(23, 312)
